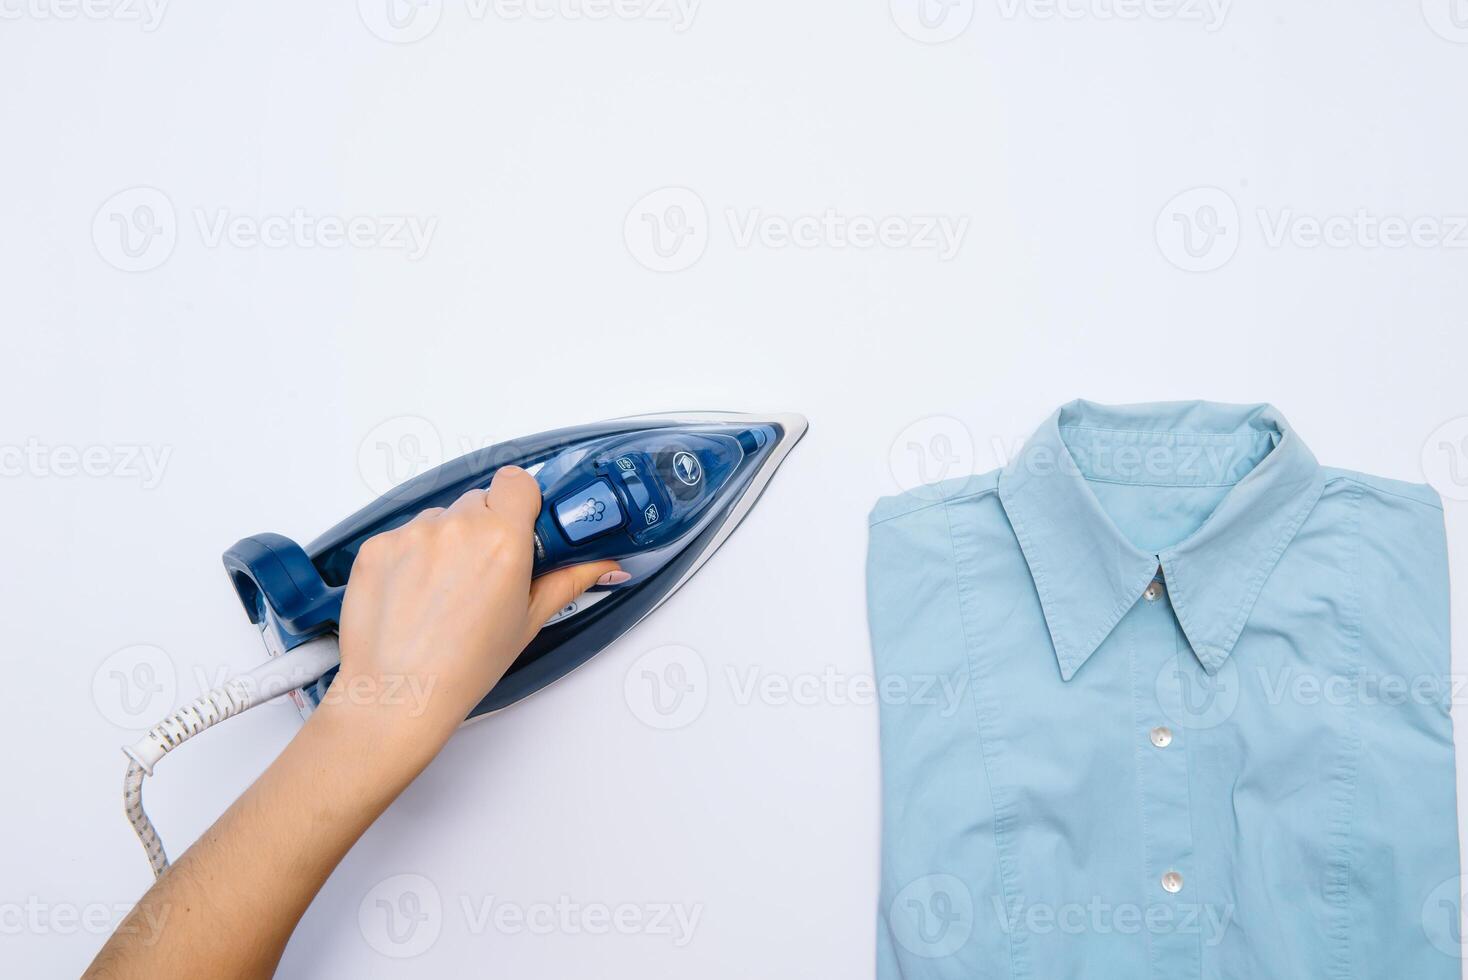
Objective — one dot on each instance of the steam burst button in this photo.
(589, 512)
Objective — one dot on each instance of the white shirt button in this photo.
(1162, 736)
(1172, 882)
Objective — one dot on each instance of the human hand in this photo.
(438, 609)
(435, 612)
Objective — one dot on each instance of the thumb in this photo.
(553, 592)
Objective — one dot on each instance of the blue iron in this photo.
(657, 493)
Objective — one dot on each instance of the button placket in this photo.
(1163, 777)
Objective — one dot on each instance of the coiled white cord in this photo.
(286, 673)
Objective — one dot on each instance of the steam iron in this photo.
(657, 493)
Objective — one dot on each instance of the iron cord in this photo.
(271, 679)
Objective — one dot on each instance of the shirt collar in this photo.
(1088, 574)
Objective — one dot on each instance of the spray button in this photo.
(589, 512)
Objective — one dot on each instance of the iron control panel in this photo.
(634, 496)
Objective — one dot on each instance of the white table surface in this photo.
(524, 150)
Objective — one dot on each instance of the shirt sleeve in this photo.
(1407, 851)
(939, 862)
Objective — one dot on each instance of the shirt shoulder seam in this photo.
(1377, 488)
(971, 495)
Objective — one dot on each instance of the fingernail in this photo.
(613, 578)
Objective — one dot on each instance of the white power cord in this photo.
(299, 667)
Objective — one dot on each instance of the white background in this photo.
(269, 375)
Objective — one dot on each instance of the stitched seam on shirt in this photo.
(1262, 570)
(974, 495)
(1337, 885)
(1189, 740)
(1390, 493)
(1053, 619)
(1262, 573)
(1148, 870)
(1123, 605)
(1073, 657)
(1172, 433)
(1003, 812)
(1144, 483)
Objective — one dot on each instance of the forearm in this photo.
(228, 905)
(445, 601)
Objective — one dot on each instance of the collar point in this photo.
(1068, 665)
(1212, 659)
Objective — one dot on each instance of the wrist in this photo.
(394, 739)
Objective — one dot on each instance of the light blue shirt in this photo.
(1165, 698)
